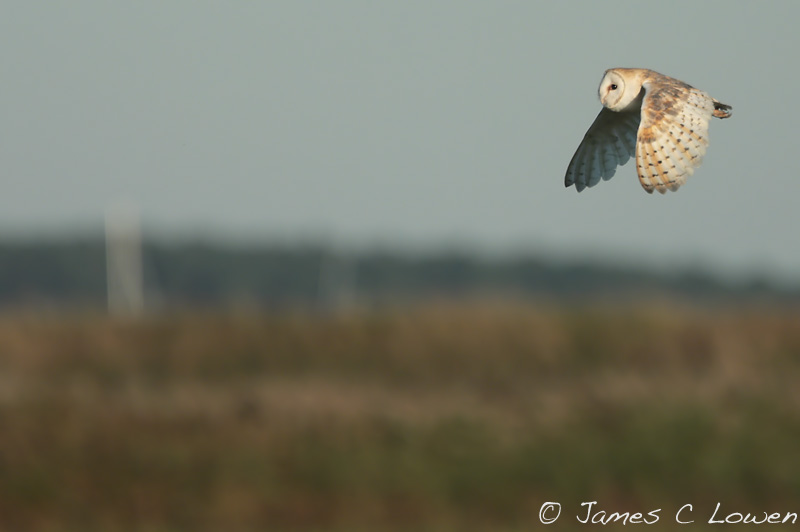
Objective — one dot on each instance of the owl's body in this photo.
(660, 121)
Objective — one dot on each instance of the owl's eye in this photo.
(613, 86)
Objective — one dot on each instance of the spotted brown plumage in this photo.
(660, 120)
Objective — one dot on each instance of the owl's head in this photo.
(618, 90)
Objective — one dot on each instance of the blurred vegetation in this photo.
(65, 273)
(439, 417)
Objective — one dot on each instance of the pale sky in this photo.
(419, 124)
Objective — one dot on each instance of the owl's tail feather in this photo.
(721, 110)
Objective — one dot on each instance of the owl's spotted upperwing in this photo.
(673, 133)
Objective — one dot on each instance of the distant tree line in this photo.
(212, 274)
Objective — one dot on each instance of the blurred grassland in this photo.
(432, 418)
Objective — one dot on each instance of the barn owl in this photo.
(660, 120)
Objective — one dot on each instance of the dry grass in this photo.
(427, 418)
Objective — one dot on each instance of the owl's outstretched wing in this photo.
(609, 143)
(673, 134)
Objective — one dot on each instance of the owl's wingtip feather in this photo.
(722, 110)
